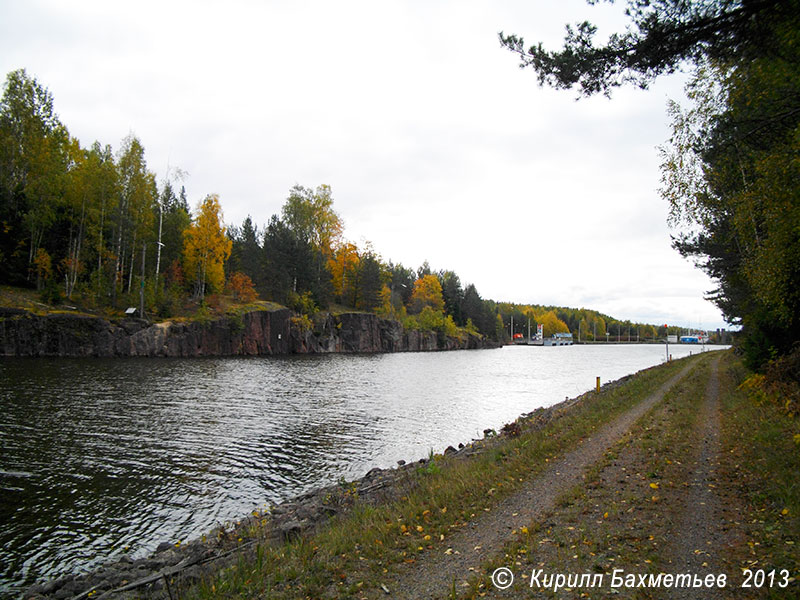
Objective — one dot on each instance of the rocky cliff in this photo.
(260, 332)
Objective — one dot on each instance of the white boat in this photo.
(557, 339)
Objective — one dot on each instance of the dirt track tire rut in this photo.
(434, 575)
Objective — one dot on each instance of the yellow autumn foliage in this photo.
(552, 324)
(206, 247)
(427, 293)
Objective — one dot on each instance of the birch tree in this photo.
(206, 248)
(33, 156)
(137, 197)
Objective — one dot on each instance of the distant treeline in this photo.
(95, 227)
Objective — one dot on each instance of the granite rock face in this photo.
(67, 335)
(261, 332)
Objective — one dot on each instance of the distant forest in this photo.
(95, 228)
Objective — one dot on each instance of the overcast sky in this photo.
(435, 144)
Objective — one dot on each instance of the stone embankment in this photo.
(259, 332)
(175, 566)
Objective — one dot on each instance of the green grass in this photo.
(762, 458)
(28, 299)
(340, 309)
(609, 524)
(219, 306)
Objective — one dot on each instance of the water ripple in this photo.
(99, 456)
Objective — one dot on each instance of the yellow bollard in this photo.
(598, 384)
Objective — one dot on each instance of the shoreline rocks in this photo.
(255, 333)
(175, 566)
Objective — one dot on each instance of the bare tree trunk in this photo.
(36, 242)
(70, 254)
(133, 250)
(100, 237)
(203, 278)
(120, 276)
(74, 258)
(158, 245)
(118, 262)
(141, 284)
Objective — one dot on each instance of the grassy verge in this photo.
(620, 518)
(352, 553)
(26, 299)
(762, 461)
(629, 513)
(218, 306)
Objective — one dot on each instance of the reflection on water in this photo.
(100, 457)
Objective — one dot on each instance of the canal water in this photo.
(104, 457)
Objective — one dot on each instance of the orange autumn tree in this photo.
(206, 248)
(242, 288)
(44, 267)
(343, 267)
